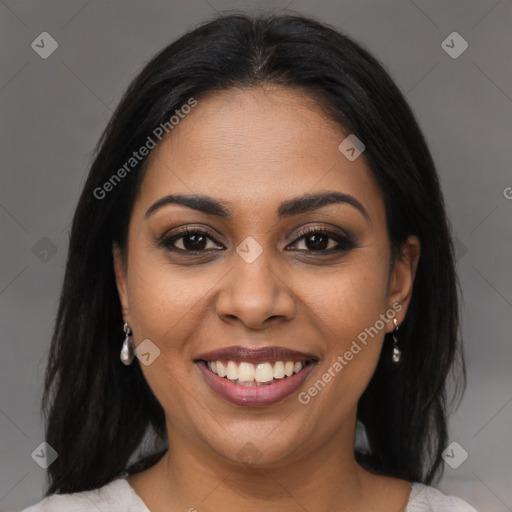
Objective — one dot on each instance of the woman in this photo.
(262, 241)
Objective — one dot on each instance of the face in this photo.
(251, 276)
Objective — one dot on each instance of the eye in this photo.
(190, 239)
(320, 240)
(195, 240)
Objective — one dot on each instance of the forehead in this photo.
(253, 148)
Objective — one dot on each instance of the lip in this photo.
(256, 354)
(254, 396)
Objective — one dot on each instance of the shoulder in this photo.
(424, 498)
(117, 496)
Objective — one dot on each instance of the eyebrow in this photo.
(303, 204)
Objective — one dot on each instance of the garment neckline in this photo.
(133, 493)
(416, 488)
(413, 492)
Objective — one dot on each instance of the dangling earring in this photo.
(397, 353)
(128, 348)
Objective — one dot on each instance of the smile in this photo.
(260, 374)
(255, 376)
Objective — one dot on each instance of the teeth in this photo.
(246, 372)
(264, 373)
(232, 371)
(278, 370)
(221, 369)
(249, 374)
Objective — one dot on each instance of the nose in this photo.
(255, 294)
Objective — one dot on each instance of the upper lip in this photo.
(255, 354)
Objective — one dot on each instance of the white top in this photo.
(120, 496)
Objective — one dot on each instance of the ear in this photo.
(120, 273)
(402, 277)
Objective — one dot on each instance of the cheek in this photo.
(164, 305)
(347, 311)
(346, 315)
(163, 302)
(349, 301)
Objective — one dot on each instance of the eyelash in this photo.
(345, 242)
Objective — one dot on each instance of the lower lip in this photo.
(253, 396)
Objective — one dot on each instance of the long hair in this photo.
(98, 412)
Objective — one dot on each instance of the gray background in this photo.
(53, 111)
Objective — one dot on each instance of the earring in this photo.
(128, 348)
(397, 353)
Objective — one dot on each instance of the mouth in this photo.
(245, 373)
(255, 377)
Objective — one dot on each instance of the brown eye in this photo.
(321, 240)
(316, 241)
(191, 240)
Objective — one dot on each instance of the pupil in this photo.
(194, 245)
(317, 242)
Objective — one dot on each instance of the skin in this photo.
(253, 149)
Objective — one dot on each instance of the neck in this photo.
(324, 477)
